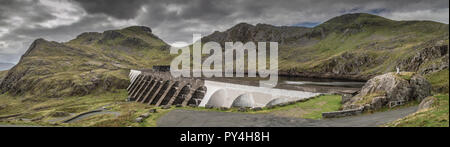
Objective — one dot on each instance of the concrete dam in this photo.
(160, 88)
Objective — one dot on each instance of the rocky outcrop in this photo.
(427, 103)
(285, 35)
(427, 60)
(348, 63)
(323, 75)
(391, 88)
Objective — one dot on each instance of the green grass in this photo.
(33, 107)
(437, 116)
(368, 98)
(311, 109)
(129, 111)
(405, 75)
(439, 81)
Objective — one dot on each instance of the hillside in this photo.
(352, 46)
(435, 116)
(93, 62)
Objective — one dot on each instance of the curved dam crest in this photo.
(222, 94)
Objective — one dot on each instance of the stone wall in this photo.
(343, 113)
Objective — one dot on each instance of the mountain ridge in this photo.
(365, 46)
(90, 63)
(359, 41)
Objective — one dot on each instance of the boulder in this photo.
(152, 111)
(421, 87)
(257, 109)
(166, 107)
(223, 109)
(383, 90)
(346, 98)
(145, 115)
(427, 103)
(242, 109)
(139, 120)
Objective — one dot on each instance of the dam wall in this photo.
(160, 88)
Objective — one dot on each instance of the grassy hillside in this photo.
(439, 81)
(364, 44)
(91, 63)
(436, 116)
(352, 45)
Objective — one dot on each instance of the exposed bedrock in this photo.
(389, 90)
(355, 65)
(427, 60)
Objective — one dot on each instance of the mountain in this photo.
(352, 46)
(93, 62)
(5, 66)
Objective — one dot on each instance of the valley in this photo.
(55, 81)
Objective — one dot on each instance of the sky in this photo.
(174, 21)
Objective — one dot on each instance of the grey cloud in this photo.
(177, 20)
(122, 9)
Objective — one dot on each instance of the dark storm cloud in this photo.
(122, 9)
(22, 21)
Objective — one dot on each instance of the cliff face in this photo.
(427, 60)
(93, 62)
(264, 33)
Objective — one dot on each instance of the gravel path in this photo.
(189, 118)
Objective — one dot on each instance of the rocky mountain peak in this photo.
(34, 45)
(245, 32)
(139, 29)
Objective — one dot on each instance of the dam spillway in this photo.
(160, 89)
